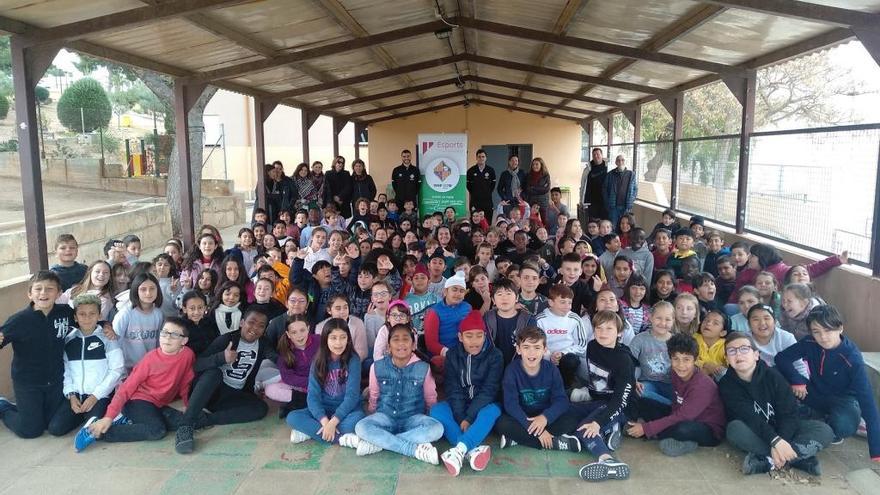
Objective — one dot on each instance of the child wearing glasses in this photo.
(763, 413)
(161, 377)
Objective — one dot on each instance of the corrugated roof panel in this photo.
(735, 36)
(51, 13)
(627, 22)
(657, 75)
(536, 15)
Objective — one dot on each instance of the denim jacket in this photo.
(401, 392)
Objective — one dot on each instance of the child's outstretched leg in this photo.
(596, 438)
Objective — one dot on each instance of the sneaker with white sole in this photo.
(568, 443)
(862, 430)
(84, 437)
(607, 469)
(366, 448)
(613, 437)
(479, 456)
(426, 452)
(184, 442)
(580, 394)
(452, 459)
(297, 436)
(506, 442)
(675, 448)
(349, 440)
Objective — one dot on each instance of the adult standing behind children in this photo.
(406, 180)
(481, 184)
(337, 187)
(362, 184)
(620, 190)
(592, 186)
(537, 186)
(511, 183)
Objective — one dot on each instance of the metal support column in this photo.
(262, 110)
(185, 97)
(358, 128)
(743, 88)
(28, 66)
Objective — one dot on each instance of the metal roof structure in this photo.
(367, 61)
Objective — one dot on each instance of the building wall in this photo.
(557, 141)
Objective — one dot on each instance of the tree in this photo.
(4, 107)
(163, 88)
(42, 94)
(84, 106)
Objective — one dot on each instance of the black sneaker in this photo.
(613, 437)
(184, 443)
(755, 464)
(608, 469)
(6, 405)
(809, 465)
(506, 442)
(675, 448)
(567, 442)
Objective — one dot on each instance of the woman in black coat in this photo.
(337, 187)
(362, 184)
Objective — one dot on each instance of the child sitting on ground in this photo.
(442, 320)
(763, 414)
(687, 314)
(420, 299)
(621, 271)
(296, 349)
(797, 301)
(633, 303)
(162, 376)
(710, 342)
(93, 366)
(472, 382)
(338, 308)
(725, 281)
(612, 384)
(715, 250)
(649, 350)
(138, 326)
(401, 391)
(838, 389)
(334, 396)
(537, 413)
(664, 287)
(684, 244)
(566, 333)
(529, 280)
(705, 290)
(503, 321)
(747, 296)
(228, 307)
(696, 416)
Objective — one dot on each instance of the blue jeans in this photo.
(475, 434)
(614, 214)
(841, 412)
(589, 411)
(401, 436)
(301, 420)
(657, 391)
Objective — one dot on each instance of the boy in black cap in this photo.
(684, 244)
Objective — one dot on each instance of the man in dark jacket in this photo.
(227, 373)
(481, 184)
(763, 413)
(620, 190)
(593, 184)
(406, 180)
(511, 182)
(473, 381)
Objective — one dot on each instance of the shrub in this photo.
(42, 94)
(84, 106)
(4, 107)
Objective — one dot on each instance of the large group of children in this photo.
(389, 330)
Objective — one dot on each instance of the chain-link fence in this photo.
(815, 188)
(708, 171)
(654, 172)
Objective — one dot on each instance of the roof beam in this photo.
(526, 110)
(806, 11)
(344, 18)
(438, 62)
(569, 11)
(527, 101)
(507, 64)
(468, 8)
(388, 94)
(127, 19)
(318, 52)
(461, 103)
(397, 106)
(596, 46)
(543, 91)
(415, 112)
(691, 20)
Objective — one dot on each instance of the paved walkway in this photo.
(258, 458)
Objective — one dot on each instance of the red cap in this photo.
(420, 268)
(473, 321)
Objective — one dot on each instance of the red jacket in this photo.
(816, 269)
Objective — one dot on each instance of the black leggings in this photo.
(227, 405)
(685, 431)
(65, 420)
(512, 429)
(36, 407)
(568, 367)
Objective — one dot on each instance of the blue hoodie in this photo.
(834, 372)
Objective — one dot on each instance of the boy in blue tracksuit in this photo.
(472, 381)
(838, 388)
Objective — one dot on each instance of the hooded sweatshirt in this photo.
(297, 376)
(472, 382)
(766, 403)
(834, 372)
(612, 379)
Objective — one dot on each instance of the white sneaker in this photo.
(580, 394)
(862, 430)
(506, 442)
(349, 440)
(452, 459)
(479, 457)
(298, 436)
(366, 448)
(426, 452)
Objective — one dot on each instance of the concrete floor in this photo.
(258, 458)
